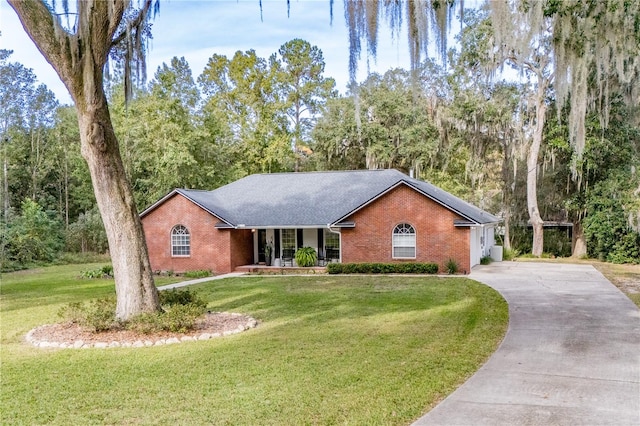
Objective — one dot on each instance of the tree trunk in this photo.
(5, 182)
(578, 240)
(135, 289)
(506, 195)
(506, 243)
(66, 190)
(532, 173)
(532, 202)
(79, 60)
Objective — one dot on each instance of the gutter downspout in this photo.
(335, 231)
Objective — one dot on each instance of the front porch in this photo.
(276, 247)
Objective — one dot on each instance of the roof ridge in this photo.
(325, 172)
(194, 190)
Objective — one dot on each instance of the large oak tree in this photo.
(79, 56)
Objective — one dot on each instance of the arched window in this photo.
(404, 242)
(180, 241)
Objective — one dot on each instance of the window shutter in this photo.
(276, 243)
(320, 240)
(299, 237)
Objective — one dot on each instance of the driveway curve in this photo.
(571, 355)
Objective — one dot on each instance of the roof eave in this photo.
(159, 202)
(211, 212)
(403, 181)
(445, 205)
(181, 192)
(366, 203)
(344, 224)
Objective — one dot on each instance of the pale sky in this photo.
(199, 29)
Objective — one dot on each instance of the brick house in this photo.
(346, 216)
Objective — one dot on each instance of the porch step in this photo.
(280, 270)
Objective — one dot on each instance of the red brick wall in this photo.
(211, 248)
(241, 248)
(437, 240)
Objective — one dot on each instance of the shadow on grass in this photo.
(314, 301)
(329, 350)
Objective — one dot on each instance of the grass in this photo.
(328, 350)
(625, 277)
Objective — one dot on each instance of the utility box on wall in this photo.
(496, 253)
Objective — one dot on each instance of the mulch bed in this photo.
(72, 335)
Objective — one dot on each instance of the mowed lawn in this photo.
(328, 350)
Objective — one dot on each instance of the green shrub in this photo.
(68, 258)
(101, 314)
(626, 249)
(181, 309)
(528, 255)
(180, 318)
(146, 323)
(98, 315)
(91, 274)
(34, 237)
(486, 260)
(383, 268)
(105, 271)
(74, 312)
(87, 234)
(306, 256)
(175, 297)
(452, 266)
(202, 273)
(335, 268)
(176, 319)
(510, 254)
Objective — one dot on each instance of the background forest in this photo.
(462, 126)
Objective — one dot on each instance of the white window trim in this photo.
(181, 245)
(282, 238)
(394, 246)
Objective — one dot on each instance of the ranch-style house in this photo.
(346, 216)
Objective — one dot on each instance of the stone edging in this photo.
(80, 344)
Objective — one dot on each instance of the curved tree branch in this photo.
(139, 19)
(99, 20)
(47, 34)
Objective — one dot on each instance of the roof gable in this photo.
(453, 203)
(195, 196)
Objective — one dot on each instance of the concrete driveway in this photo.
(571, 355)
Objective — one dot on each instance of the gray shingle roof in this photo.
(314, 199)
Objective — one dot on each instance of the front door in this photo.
(262, 242)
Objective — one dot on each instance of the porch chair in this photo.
(332, 254)
(287, 256)
(322, 260)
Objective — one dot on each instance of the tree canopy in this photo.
(453, 122)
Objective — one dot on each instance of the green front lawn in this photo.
(328, 350)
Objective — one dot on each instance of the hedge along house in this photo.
(346, 216)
